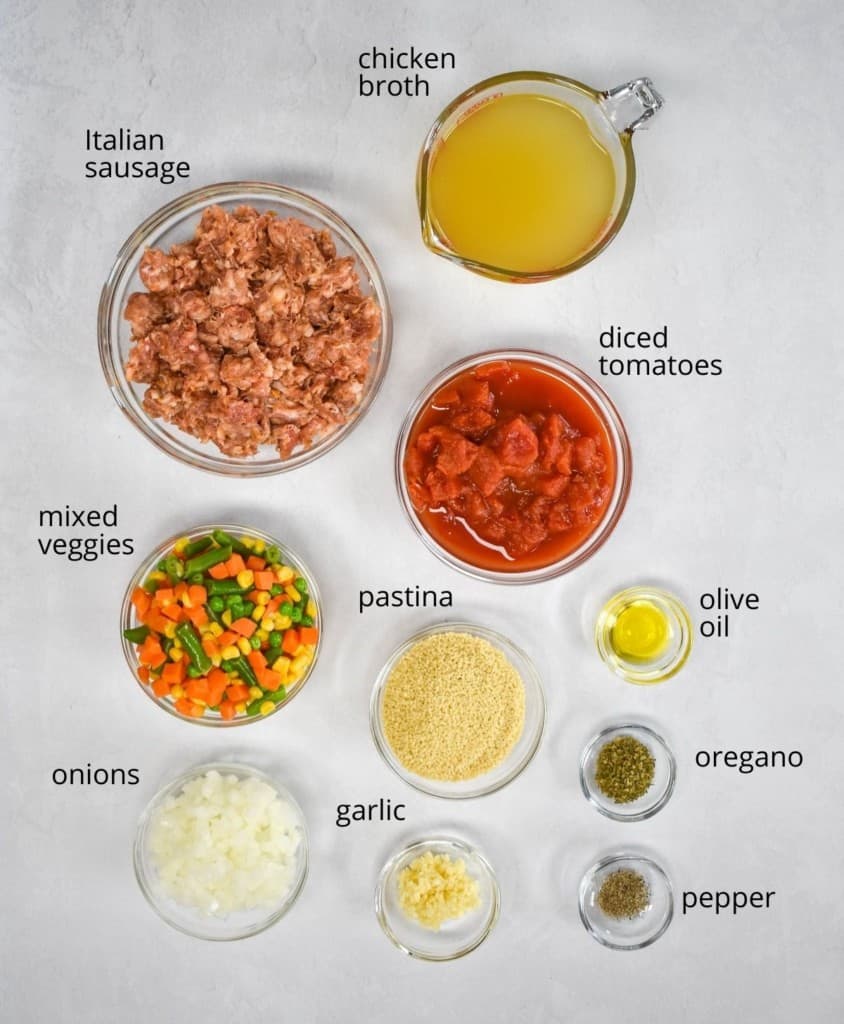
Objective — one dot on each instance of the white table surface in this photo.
(734, 241)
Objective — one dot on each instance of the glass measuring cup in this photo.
(611, 117)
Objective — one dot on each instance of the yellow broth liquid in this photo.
(521, 184)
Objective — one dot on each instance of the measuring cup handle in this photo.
(632, 105)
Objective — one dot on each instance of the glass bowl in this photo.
(660, 790)
(192, 921)
(627, 933)
(518, 758)
(456, 938)
(606, 412)
(176, 223)
(128, 620)
(665, 663)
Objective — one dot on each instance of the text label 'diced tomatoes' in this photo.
(509, 466)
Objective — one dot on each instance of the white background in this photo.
(733, 240)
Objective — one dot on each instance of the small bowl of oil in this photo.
(644, 635)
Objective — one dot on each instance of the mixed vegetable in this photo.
(224, 625)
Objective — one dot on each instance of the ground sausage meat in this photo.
(254, 332)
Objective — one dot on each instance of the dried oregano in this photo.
(624, 770)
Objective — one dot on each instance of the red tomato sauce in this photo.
(509, 466)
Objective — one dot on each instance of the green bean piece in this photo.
(224, 587)
(286, 608)
(224, 540)
(151, 585)
(255, 707)
(275, 639)
(174, 567)
(214, 614)
(296, 614)
(208, 558)
(197, 579)
(196, 547)
(161, 567)
(217, 604)
(194, 672)
(244, 670)
(276, 589)
(229, 665)
(277, 695)
(301, 584)
(136, 635)
(166, 644)
(273, 554)
(192, 644)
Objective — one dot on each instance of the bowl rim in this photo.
(243, 771)
(649, 810)
(464, 849)
(122, 269)
(431, 787)
(126, 616)
(615, 858)
(603, 407)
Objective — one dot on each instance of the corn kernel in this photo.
(177, 643)
(259, 547)
(216, 660)
(215, 629)
(227, 617)
(299, 664)
(262, 635)
(255, 692)
(201, 703)
(158, 576)
(258, 613)
(178, 691)
(292, 593)
(262, 598)
(283, 622)
(268, 624)
(281, 665)
(245, 578)
(244, 646)
(267, 707)
(181, 544)
(185, 600)
(174, 654)
(248, 542)
(240, 708)
(170, 630)
(285, 574)
(311, 609)
(230, 652)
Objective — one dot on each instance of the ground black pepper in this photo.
(624, 893)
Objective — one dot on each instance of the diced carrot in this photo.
(209, 645)
(256, 660)
(237, 693)
(160, 688)
(198, 615)
(253, 596)
(274, 604)
(219, 571)
(196, 710)
(254, 562)
(216, 691)
(141, 600)
(290, 643)
(173, 611)
(185, 706)
(197, 594)
(155, 620)
(150, 652)
(180, 591)
(173, 672)
(143, 674)
(197, 689)
(226, 638)
(268, 679)
(246, 627)
(264, 580)
(227, 710)
(164, 595)
(217, 677)
(235, 564)
(308, 634)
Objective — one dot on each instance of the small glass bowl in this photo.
(606, 412)
(627, 933)
(518, 758)
(194, 922)
(456, 938)
(128, 619)
(669, 661)
(175, 223)
(660, 790)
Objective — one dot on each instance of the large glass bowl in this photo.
(192, 921)
(128, 620)
(517, 759)
(455, 938)
(175, 223)
(602, 406)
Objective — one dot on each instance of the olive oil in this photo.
(522, 184)
(644, 634)
(641, 631)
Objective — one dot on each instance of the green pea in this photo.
(275, 639)
(276, 589)
(255, 642)
(162, 565)
(273, 553)
(296, 615)
(286, 608)
(234, 601)
(217, 604)
(301, 584)
(248, 608)
(194, 672)
(307, 620)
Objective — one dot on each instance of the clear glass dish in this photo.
(660, 790)
(176, 223)
(678, 640)
(518, 758)
(604, 409)
(456, 938)
(128, 620)
(627, 933)
(612, 115)
(190, 920)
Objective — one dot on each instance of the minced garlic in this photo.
(434, 889)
